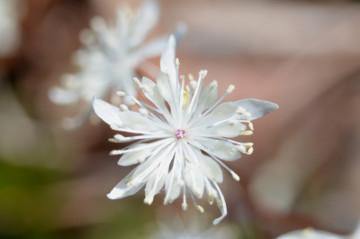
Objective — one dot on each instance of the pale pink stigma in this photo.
(180, 133)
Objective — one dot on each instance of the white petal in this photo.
(145, 19)
(134, 157)
(164, 87)
(208, 97)
(151, 49)
(222, 149)
(221, 205)
(121, 190)
(257, 108)
(158, 156)
(174, 186)
(155, 183)
(220, 113)
(107, 112)
(167, 61)
(229, 130)
(152, 93)
(137, 121)
(63, 96)
(194, 179)
(210, 168)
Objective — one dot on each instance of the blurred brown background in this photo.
(305, 171)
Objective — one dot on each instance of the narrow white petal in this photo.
(210, 168)
(121, 190)
(151, 92)
(151, 49)
(167, 61)
(229, 130)
(107, 112)
(221, 149)
(164, 87)
(155, 183)
(174, 185)
(208, 97)
(194, 179)
(221, 205)
(144, 20)
(256, 108)
(63, 96)
(159, 155)
(220, 113)
(134, 157)
(136, 121)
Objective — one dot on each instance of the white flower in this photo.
(310, 233)
(9, 27)
(182, 138)
(194, 229)
(109, 57)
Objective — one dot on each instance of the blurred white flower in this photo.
(109, 57)
(182, 138)
(9, 27)
(310, 233)
(194, 230)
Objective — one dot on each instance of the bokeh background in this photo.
(305, 171)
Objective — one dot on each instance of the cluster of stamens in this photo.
(180, 133)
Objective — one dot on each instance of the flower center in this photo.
(180, 133)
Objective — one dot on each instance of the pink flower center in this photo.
(180, 133)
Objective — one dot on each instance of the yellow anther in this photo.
(200, 208)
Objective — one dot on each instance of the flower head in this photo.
(109, 57)
(182, 138)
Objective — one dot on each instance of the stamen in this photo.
(120, 93)
(119, 137)
(184, 206)
(116, 152)
(235, 176)
(251, 126)
(247, 132)
(124, 107)
(200, 208)
(230, 89)
(148, 199)
(143, 111)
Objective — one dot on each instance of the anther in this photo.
(143, 111)
(235, 176)
(214, 84)
(247, 132)
(193, 84)
(200, 208)
(184, 206)
(116, 152)
(251, 126)
(137, 81)
(124, 107)
(120, 93)
(148, 199)
(230, 89)
(240, 110)
(119, 137)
